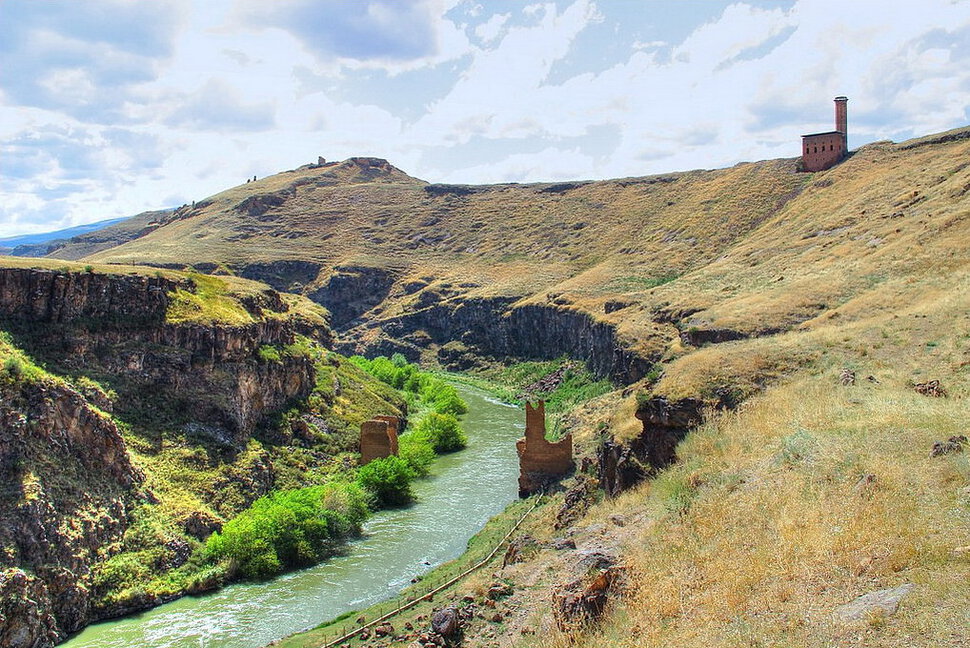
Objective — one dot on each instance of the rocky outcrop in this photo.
(67, 488)
(695, 336)
(581, 602)
(39, 295)
(286, 275)
(114, 325)
(350, 291)
(665, 424)
(495, 327)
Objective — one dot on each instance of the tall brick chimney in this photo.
(841, 121)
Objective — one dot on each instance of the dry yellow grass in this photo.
(769, 523)
(756, 249)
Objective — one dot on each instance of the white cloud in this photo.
(491, 29)
(209, 98)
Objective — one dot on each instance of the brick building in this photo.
(822, 150)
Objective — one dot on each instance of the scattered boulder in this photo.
(384, 630)
(499, 590)
(582, 601)
(562, 544)
(931, 388)
(576, 502)
(613, 305)
(951, 446)
(520, 550)
(880, 602)
(200, 525)
(595, 558)
(445, 622)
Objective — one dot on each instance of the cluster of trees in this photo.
(436, 429)
(424, 388)
(292, 528)
(296, 528)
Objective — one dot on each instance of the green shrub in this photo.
(291, 528)
(417, 453)
(303, 346)
(14, 367)
(441, 431)
(269, 353)
(388, 479)
(444, 398)
(430, 390)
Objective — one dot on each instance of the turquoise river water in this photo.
(464, 491)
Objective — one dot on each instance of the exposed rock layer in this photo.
(67, 487)
(499, 328)
(665, 423)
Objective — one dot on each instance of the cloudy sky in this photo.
(112, 107)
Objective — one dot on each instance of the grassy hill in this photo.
(752, 250)
(750, 289)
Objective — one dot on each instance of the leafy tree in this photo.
(288, 529)
(441, 431)
(388, 479)
(418, 454)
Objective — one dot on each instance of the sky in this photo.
(113, 107)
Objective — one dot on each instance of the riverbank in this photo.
(463, 492)
(416, 597)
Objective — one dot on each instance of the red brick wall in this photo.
(820, 152)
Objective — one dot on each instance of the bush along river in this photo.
(464, 490)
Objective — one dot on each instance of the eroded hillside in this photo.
(620, 273)
(769, 455)
(141, 409)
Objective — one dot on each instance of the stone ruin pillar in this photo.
(378, 438)
(541, 462)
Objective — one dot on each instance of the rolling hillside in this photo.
(768, 328)
(753, 250)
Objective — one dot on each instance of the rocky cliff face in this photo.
(53, 296)
(67, 487)
(665, 424)
(350, 291)
(499, 328)
(114, 326)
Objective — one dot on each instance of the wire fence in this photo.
(403, 606)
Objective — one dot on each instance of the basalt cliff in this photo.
(117, 387)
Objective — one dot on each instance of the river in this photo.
(464, 490)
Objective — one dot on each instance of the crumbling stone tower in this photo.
(378, 438)
(540, 461)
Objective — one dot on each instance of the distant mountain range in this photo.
(76, 242)
(46, 237)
